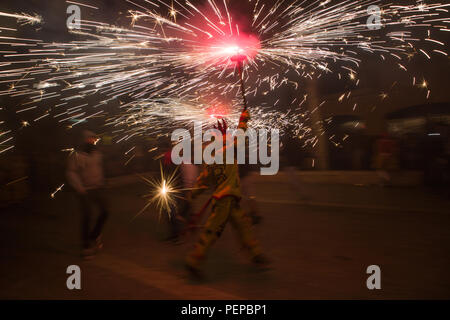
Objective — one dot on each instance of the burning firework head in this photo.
(223, 51)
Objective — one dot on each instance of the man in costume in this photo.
(224, 178)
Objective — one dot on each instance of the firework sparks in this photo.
(53, 194)
(177, 50)
(192, 52)
(17, 180)
(164, 114)
(164, 193)
(23, 18)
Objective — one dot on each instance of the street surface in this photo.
(321, 239)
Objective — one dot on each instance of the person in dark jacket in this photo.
(85, 175)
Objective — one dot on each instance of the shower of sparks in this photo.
(177, 50)
(159, 116)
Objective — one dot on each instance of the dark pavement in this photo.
(321, 239)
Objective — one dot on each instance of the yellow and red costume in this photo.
(224, 178)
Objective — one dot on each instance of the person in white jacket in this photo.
(85, 175)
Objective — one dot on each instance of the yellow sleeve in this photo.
(243, 120)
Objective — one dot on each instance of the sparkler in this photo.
(164, 193)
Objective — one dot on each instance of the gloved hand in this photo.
(243, 120)
(222, 127)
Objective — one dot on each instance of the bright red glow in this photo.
(217, 112)
(239, 58)
(223, 51)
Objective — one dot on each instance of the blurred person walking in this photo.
(224, 178)
(85, 174)
(182, 207)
